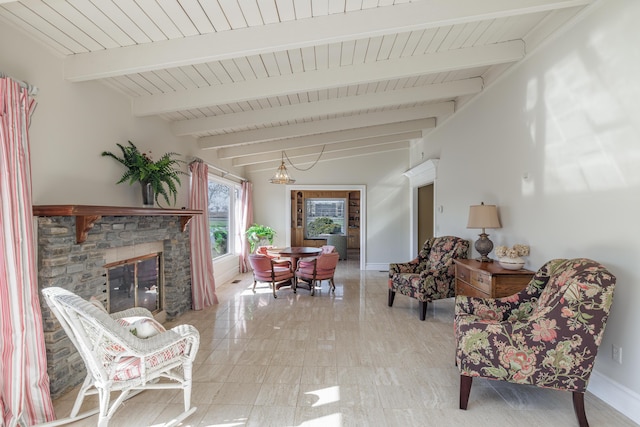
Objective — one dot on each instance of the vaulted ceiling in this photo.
(250, 78)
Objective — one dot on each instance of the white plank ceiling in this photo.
(250, 78)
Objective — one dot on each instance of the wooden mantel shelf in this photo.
(87, 215)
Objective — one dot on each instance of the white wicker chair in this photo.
(118, 360)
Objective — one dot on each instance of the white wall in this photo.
(387, 200)
(73, 123)
(568, 118)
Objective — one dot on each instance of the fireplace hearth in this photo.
(80, 267)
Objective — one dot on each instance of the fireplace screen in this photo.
(135, 282)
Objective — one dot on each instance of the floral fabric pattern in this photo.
(546, 335)
(431, 275)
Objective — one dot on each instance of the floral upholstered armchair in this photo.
(431, 275)
(547, 335)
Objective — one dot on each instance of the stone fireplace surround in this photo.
(75, 242)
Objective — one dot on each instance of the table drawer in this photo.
(463, 288)
(463, 273)
(481, 281)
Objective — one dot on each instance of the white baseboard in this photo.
(225, 269)
(616, 395)
(377, 266)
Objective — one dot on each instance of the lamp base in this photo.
(483, 245)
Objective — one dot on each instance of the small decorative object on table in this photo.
(153, 176)
(511, 258)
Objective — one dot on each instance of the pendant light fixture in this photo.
(282, 176)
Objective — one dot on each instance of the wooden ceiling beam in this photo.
(335, 106)
(355, 152)
(272, 156)
(327, 29)
(325, 138)
(329, 78)
(246, 138)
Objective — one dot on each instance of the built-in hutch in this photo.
(353, 230)
(352, 222)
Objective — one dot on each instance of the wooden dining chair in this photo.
(270, 271)
(315, 271)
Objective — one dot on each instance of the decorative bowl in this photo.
(511, 263)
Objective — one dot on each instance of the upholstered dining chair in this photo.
(265, 250)
(547, 335)
(431, 275)
(271, 271)
(321, 268)
(124, 352)
(325, 249)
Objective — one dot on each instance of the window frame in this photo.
(308, 200)
(233, 243)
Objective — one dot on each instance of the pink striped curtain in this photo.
(203, 286)
(246, 208)
(24, 386)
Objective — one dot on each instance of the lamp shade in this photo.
(483, 216)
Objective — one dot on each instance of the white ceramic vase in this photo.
(511, 263)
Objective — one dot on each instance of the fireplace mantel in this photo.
(87, 215)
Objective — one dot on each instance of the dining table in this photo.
(297, 252)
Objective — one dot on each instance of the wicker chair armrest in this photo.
(144, 347)
(132, 312)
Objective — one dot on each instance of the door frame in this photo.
(423, 174)
(363, 211)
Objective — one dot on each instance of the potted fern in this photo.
(259, 234)
(157, 178)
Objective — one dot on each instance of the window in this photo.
(224, 201)
(324, 216)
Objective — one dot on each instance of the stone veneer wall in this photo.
(79, 268)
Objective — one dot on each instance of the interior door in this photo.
(425, 214)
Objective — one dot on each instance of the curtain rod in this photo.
(223, 173)
(32, 90)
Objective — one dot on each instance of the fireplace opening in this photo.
(135, 282)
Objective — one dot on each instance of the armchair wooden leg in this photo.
(578, 407)
(465, 390)
(392, 295)
(423, 310)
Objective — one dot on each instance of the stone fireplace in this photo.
(76, 243)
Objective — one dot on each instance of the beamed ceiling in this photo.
(249, 78)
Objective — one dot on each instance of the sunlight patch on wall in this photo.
(585, 126)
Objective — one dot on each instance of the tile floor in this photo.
(333, 360)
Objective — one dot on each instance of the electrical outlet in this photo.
(616, 353)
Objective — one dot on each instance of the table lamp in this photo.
(483, 216)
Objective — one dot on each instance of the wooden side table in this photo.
(488, 279)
